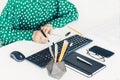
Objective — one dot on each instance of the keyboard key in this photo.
(42, 58)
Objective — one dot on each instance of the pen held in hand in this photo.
(44, 34)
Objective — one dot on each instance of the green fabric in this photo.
(21, 17)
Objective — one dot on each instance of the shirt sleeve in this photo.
(7, 33)
(66, 14)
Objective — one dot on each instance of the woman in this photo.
(23, 19)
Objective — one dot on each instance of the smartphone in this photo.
(101, 51)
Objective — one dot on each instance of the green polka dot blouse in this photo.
(20, 18)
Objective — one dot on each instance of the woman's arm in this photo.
(7, 33)
(66, 14)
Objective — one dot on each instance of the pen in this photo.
(56, 53)
(51, 52)
(64, 47)
(80, 59)
(44, 34)
(74, 30)
(67, 33)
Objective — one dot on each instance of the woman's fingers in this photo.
(47, 29)
(39, 37)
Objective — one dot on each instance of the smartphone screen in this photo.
(101, 51)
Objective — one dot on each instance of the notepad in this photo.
(81, 66)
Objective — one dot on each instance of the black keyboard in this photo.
(42, 58)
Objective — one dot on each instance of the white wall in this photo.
(97, 12)
(100, 18)
(2, 4)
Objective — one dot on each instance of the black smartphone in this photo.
(101, 51)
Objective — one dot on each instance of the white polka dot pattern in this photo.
(21, 17)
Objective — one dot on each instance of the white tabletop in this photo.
(12, 70)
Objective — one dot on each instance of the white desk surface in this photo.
(12, 70)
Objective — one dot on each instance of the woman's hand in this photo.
(47, 29)
(38, 37)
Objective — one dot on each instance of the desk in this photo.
(12, 70)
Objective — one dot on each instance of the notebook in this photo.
(81, 66)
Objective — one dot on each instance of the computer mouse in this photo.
(17, 56)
